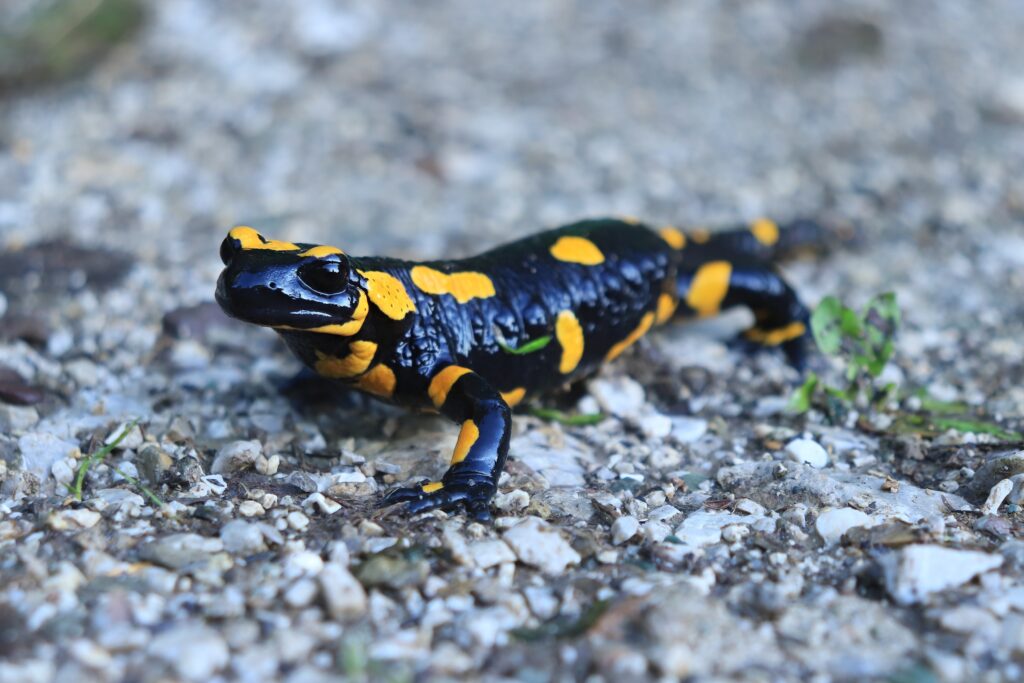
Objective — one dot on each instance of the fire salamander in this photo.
(441, 335)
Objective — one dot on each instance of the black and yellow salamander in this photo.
(439, 335)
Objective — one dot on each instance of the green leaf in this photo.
(552, 415)
(825, 325)
(97, 458)
(800, 400)
(531, 346)
(976, 426)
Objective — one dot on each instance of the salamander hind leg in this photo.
(780, 319)
(485, 421)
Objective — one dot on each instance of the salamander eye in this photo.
(228, 248)
(327, 276)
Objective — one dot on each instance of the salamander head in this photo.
(289, 286)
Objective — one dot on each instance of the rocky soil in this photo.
(698, 532)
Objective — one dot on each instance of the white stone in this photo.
(914, 573)
(703, 528)
(620, 396)
(734, 533)
(486, 554)
(323, 503)
(807, 451)
(996, 495)
(242, 538)
(73, 520)
(538, 544)
(656, 532)
(301, 593)
(17, 418)
(515, 500)
(39, 451)
(688, 429)
(832, 524)
(236, 457)
(195, 651)
(297, 520)
(656, 426)
(250, 508)
(343, 594)
(624, 528)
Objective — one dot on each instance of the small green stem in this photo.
(97, 458)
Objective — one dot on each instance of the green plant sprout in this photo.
(864, 342)
(99, 456)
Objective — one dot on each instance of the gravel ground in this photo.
(697, 533)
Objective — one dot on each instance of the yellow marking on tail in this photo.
(514, 397)
(674, 236)
(666, 308)
(709, 287)
(765, 231)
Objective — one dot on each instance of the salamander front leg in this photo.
(480, 452)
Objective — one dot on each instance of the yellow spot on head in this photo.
(674, 236)
(467, 437)
(463, 286)
(666, 307)
(442, 383)
(632, 220)
(321, 251)
(388, 294)
(379, 381)
(632, 337)
(776, 336)
(250, 239)
(577, 250)
(347, 329)
(709, 287)
(570, 336)
(514, 397)
(765, 231)
(359, 357)
(432, 486)
(700, 235)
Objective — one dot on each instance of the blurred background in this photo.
(438, 127)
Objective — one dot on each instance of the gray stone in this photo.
(914, 573)
(195, 651)
(540, 545)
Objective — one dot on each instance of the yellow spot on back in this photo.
(776, 336)
(467, 437)
(577, 250)
(250, 239)
(321, 251)
(379, 381)
(709, 287)
(463, 286)
(360, 355)
(674, 236)
(666, 307)
(388, 294)
(514, 397)
(570, 336)
(632, 220)
(347, 329)
(442, 383)
(765, 231)
(700, 235)
(432, 486)
(632, 337)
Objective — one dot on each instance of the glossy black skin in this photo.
(531, 286)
